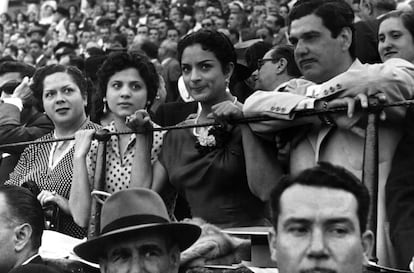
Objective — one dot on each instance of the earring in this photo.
(227, 85)
(105, 107)
(147, 105)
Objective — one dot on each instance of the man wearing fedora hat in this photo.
(137, 235)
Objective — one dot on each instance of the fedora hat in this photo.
(38, 29)
(131, 212)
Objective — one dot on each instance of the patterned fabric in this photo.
(33, 166)
(118, 170)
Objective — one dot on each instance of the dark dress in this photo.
(214, 182)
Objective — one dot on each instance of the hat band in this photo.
(133, 220)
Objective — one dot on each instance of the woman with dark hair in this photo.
(127, 82)
(62, 93)
(207, 165)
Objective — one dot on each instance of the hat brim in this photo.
(184, 234)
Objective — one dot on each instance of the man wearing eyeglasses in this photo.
(333, 76)
(277, 67)
(20, 119)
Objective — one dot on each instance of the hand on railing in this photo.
(139, 121)
(83, 139)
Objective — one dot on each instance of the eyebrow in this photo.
(65, 86)
(331, 221)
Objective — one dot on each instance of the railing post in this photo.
(102, 136)
(370, 170)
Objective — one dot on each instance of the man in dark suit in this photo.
(399, 192)
(20, 117)
(21, 228)
(36, 50)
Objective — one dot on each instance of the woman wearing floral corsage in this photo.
(206, 165)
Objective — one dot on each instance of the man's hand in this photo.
(23, 90)
(361, 100)
(226, 110)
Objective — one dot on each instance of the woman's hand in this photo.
(83, 139)
(51, 197)
(139, 121)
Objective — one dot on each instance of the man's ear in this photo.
(175, 258)
(103, 265)
(368, 240)
(272, 244)
(282, 65)
(22, 236)
(345, 37)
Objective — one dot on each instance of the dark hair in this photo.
(407, 19)
(118, 61)
(37, 41)
(384, 5)
(150, 49)
(335, 15)
(40, 75)
(25, 70)
(287, 52)
(216, 42)
(121, 39)
(324, 175)
(13, 49)
(23, 207)
(255, 52)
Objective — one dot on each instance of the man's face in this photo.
(318, 231)
(172, 35)
(266, 74)
(143, 31)
(8, 257)
(233, 22)
(318, 55)
(162, 28)
(105, 34)
(85, 37)
(35, 50)
(145, 253)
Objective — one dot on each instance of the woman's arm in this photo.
(160, 177)
(141, 177)
(80, 192)
(143, 173)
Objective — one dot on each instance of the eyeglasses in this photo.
(206, 25)
(261, 62)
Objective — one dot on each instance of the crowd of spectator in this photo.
(68, 69)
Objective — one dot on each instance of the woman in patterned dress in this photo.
(127, 82)
(62, 91)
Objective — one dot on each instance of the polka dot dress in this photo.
(118, 170)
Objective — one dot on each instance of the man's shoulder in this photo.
(35, 268)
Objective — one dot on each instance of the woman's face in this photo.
(126, 92)
(395, 41)
(62, 100)
(203, 75)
